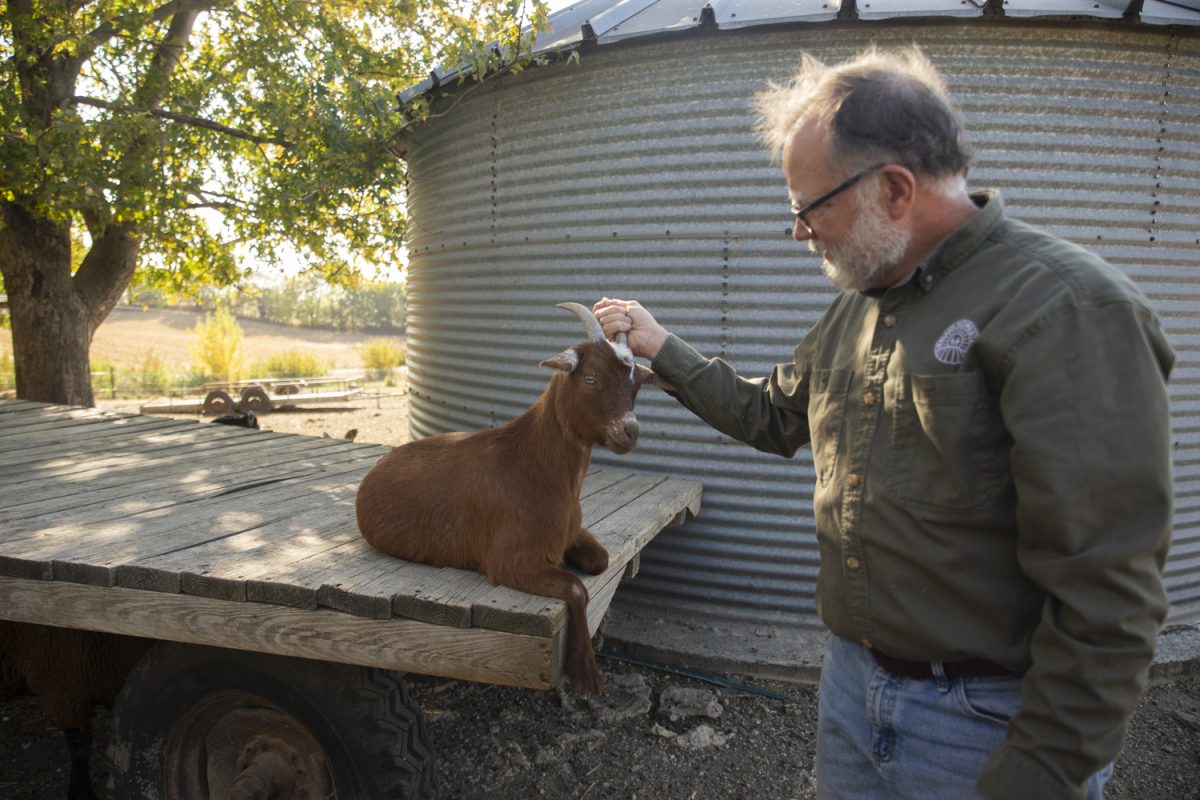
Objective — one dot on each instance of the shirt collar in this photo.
(963, 241)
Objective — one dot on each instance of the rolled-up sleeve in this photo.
(769, 414)
(1085, 401)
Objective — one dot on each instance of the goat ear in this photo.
(566, 361)
(647, 375)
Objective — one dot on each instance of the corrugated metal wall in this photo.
(634, 173)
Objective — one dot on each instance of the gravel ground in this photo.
(653, 734)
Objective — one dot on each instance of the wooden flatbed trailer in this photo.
(280, 632)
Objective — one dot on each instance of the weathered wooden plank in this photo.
(198, 474)
(91, 554)
(135, 449)
(368, 590)
(442, 596)
(646, 516)
(87, 435)
(324, 634)
(304, 578)
(505, 609)
(58, 461)
(223, 517)
(83, 521)
(13, 405)
(298, 583)
(626, 516)
(17, 413)
(220, 568)
(360, 580)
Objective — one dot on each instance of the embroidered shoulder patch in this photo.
(954, 342)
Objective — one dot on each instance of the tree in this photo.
(124, 122)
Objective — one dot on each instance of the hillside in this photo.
(130, 334)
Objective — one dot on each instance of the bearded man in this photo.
(987, 410)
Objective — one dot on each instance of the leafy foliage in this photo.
(217, 352)
(303, 301)
(381, 356)
(294, 363)
(280, 121)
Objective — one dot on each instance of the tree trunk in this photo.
(51, 323)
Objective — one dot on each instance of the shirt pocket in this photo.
(828, 390)
(949, 447)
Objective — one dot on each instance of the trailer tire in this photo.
(217, 403)
(190, 719)
(256, 399)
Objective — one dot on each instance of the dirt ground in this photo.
(654, 733)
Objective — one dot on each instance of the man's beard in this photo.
(869, 249)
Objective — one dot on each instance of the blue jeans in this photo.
(881, 736)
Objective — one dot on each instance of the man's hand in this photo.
(646, 336)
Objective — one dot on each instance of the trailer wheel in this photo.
(195, 722)
(256, 399)
(218, 402)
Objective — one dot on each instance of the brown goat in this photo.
(505, 501)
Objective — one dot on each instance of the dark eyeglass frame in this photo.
(832, 193)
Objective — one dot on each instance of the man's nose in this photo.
(800, 231)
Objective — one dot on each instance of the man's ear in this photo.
(566, 361)
(900, 189)
(647, 375)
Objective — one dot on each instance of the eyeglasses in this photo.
(832, 193)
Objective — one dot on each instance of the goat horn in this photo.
(590, 323)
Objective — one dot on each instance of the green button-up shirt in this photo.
(992, 448)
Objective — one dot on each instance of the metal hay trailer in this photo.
(260, 395)
(279, 630)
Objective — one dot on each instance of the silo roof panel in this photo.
(629, 19)
(566, 24)
(1181, 12)
(612, 21)
(1110, 9)
(889, 9)
(732, 14)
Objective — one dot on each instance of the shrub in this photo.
(151, 377)
(217, 351)
(293, 363)
(381, 356)
(8, 373)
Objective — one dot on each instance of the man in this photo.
(987, 411)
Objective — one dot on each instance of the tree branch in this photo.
(108, 29)
(186, 119)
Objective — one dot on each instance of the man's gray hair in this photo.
(882, 106)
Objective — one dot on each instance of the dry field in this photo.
(130, 334)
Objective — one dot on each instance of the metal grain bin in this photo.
(634, 173)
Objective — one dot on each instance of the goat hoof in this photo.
(588, 682)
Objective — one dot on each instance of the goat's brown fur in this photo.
(505, 501)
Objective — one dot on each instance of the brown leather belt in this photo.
(923, 670)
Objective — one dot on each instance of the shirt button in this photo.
(869, 399)
(927, 280)
(852, 481)
(889, 321)
(853, 563)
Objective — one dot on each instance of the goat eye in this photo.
(590, 378)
